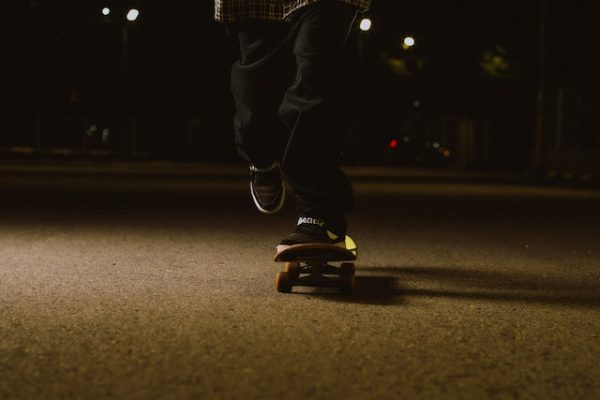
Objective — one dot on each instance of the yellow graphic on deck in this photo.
(351, 246)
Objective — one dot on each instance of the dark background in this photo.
(465, 96)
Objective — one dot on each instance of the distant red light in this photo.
(393, 144)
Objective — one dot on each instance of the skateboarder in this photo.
(287, 107)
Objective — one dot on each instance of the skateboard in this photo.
(309, 265)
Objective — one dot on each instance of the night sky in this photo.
(178, 55)
(65, 58)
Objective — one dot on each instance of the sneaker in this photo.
(267, 188)
(312, 230)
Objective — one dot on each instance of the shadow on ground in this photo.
(397, 285)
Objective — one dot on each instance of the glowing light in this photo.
(106, 11)
(393, 144)
(365, 24)
(133, 14)
(436, 145)
(409, 41)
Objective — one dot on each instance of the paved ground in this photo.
(156, 285)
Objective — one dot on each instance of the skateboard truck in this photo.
(308, 266)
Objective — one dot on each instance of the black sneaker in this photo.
(267, 188)
(312, 230)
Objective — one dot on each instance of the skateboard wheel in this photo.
(347, 284)
(293, 268)
(283, 282)
(347, 279)
(347, 269)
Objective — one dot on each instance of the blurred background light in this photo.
(133, 14)
(365, 24)
(409, 41)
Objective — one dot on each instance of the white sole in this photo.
(282, 247)
(276, 209)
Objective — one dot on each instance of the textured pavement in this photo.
(160, 285)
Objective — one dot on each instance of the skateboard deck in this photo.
(309, 265)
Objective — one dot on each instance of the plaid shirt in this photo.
(232, 11)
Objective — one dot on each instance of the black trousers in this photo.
(286, 91)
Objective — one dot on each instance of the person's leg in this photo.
(258, 81)
(311, 112)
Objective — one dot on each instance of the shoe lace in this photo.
(271, 168)
(265, 176)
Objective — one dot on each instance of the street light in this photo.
(126, 21)
(365, 24)
(409, 41)
(133, 14)
(129, 137)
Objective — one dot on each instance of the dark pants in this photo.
(285, 88)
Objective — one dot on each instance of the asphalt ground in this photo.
(160, 284)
